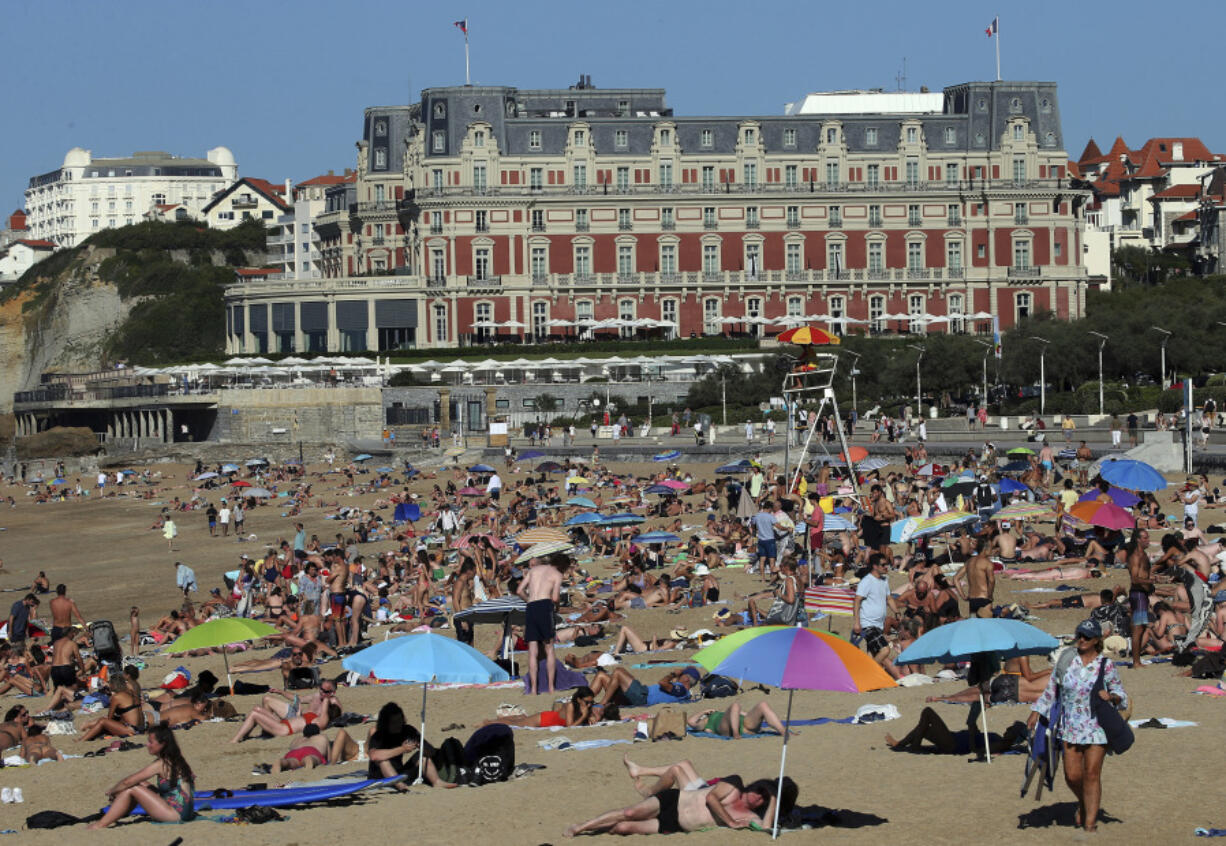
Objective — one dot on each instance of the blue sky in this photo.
(283, 83)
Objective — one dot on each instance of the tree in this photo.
(547, 403)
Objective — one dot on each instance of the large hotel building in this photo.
(536, 209)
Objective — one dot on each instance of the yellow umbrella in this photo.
(576, 480)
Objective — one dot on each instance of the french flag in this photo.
(463, 25)
(993, 28)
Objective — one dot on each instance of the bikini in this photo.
(303, 752)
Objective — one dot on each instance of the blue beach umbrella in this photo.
(385, 469)
(735, 467)
(363, 457)
(229, 468)
(586, 517)
(482, 468)
(1008, 486)
(657, 537)
(626, 519)
(425, 658)
(965, 639)
(667, 456)
(661, 490)
(531, 454)
(1133, 475)
(581, 502)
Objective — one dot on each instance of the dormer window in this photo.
(1019, 132)
(380, 127)
(479, 138)
(579, 138)
(912, 135)
(666, 137)
(832, 136)
(440, 110)
(751, 136)
(707, 139)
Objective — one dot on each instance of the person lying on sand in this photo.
(577, 712)
(1059, 573)
(1015, 683)
(932, 728)
(38, 747)
(315, 748)
(1084, 600)
(672, 810)
(736, 723)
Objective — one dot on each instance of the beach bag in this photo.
(303, 678)
(490, 754)
(50, 819)
(668, 724)
(1119, 734)
(780, 613)
(715, 686)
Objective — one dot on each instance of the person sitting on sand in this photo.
(273, 723)
(16, 726)
(577, 712)
(671, 809)
(171, 799)
(390, 740)
(126, 716)
(736, 723)
(932, 728)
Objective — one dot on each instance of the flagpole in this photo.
(997, 28)
(468, 78)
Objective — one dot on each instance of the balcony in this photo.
(1024, 272)
(877, 273)
(244, 201)
(625, 226)
(1021, 219)
(537, 226)
(478, 284)
(835, 222)
(955, 272)
(436, 282)
(874, 222)
(436, 229)
(582, 226)
(709, 224)
(753, 224)
(668, 225)
(953, 220)
(914, 220)
(378, 240)
(377, 206)
(540, 278)
(918, 273)
(482, 227)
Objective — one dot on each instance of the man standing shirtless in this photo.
(462, 599)
(1139, 592)
(981, 581)
(62, 611)
(541, 589)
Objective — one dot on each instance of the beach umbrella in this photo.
(218, 633)
(540, 550)
(929, 469)
(229, 468)
(854, 454)
(659, 490)
(424, 658)
(471, 540)
(586, 517)
(870, 464)
(624, 519)
(1119, 496)
(407, 512)
(577, 480)
(937, 523)
(240, 484)
(259, 493)
(965, 639)
(385, 469)
(481, 468)
(1023, 511)
(531, 454)
(208, 475)
(1008, 486)
(581, 502)
(257, 462)
(741, 466)
(670, 455)
(452, 452)
(1016, 467)
(1107, 515)
(656, 537)
(470, 491)
(807, 336)
(793, 658)
(541, 534)
(675, 484)
(365, 456)
(1133, 475)
(550, 467)
(1020, 451)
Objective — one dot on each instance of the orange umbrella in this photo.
(857, 453)
(807, 335)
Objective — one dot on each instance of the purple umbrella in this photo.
(1119, 496)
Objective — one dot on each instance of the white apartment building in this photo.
(293, 243)
(86, 194)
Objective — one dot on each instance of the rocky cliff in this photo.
(60, 323)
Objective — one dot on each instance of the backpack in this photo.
(984, 496)
(50, 819)
(490, 754)
(715, 686)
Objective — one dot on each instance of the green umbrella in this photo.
(219, 633)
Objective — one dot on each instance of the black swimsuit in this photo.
(669, 819)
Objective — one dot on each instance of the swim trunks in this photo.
(337, 601)
(669, 819)
(58, 632)
(1139, 601)
(977, 603)
(874, 640)
(63, 675)
(538, 621)
(1073, 602)
(636, 694)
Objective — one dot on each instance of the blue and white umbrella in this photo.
(1133, 475)
(365, 456)
(229, 468)
(203, 476)
(626, 519)
(586, 517)
(425, 658)
(656, 537)
(581, 502)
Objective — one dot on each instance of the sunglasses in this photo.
(1086, 637)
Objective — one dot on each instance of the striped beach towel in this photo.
(830, 600)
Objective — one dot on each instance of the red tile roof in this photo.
(38, 244)
(329, 179)
(254, 271)
(1163, 149)
(1091, 154)
(1074, 172)
(1190, 216)
(17, 220)
(1179, 192)
(165, 207)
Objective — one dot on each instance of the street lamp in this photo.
(1042, 373)
(853, 373)
(1166, 336)
(1102, 342)
(919, 394)
(987, 351)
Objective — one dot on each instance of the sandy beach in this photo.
(104, 550)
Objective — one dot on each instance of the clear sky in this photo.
(283, 83)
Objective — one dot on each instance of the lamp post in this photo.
(1042, 373)
(1102, 342)
(853, 373)
(919, 394)
(987, 351)
(1166, 336)
(723, 395)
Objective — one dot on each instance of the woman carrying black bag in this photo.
(1089, 691)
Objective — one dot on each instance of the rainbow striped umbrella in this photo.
(793, 658)
(1023, 511)
(936, 524)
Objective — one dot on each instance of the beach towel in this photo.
(833, 601)
(1161, 722)
(564, 679)
(1211, 832)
